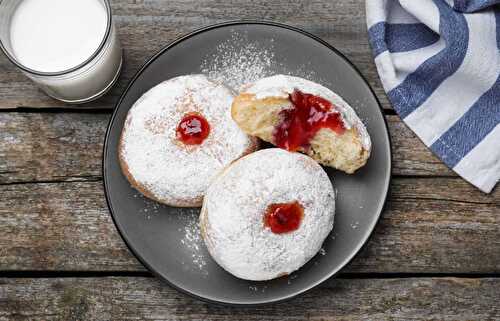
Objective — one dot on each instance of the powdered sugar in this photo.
(283, 85)
(172, 172)
(239, 61)
(193, 242)
(232, 215)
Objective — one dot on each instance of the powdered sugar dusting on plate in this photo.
(238, 61)
(192, 240)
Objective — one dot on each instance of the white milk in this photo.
(57, 35)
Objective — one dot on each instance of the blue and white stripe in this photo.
(439, 62)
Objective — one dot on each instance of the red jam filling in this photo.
(283, 217)
(299, 124)
(193, 129)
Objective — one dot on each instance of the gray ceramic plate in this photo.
(165, 239)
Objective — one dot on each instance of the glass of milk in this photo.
(69, 48)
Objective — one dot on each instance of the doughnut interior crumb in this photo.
(259, 117)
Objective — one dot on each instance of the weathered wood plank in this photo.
(67, 146)
(410, 156)
(114, 298)
(146, 26)
(50, 146)
(441, 225)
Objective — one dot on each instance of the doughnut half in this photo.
(258, 108)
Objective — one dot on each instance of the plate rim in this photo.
(160, 52)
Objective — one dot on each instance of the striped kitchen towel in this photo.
(439, 62)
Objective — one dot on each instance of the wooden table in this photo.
(434, 255)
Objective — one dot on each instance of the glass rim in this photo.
(72, 69)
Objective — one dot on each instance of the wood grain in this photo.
(146, 26)
(50, 146)
(120, 298)
(53, 215)
(432, 225)
(68, 146)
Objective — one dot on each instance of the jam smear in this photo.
(299, 124)
(284, 217)
(193, 129)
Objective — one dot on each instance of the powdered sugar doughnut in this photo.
(300, 115)
(249, 215)
(158, 161)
